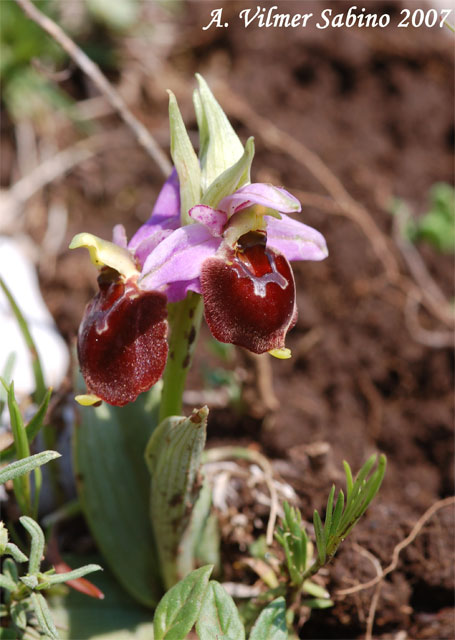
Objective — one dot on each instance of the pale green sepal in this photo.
(231, 179)
(173, 456)
(185, 161)
(104, 253)
(220, 145)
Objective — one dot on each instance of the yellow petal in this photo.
(281, 354)
(104, 253)
(88, 399)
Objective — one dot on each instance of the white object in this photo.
(19, 274)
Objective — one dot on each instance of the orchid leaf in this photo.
(173, 456)
(113, 485)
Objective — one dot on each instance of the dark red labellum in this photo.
(122, 344)
(249, 295)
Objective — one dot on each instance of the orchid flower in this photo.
(235, 254)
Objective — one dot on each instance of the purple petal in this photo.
(179, 257)
(213, 219)
(295, 240)
(177, 291)
(260, 193)
(119, 236)
(165, 214)
(157, 233)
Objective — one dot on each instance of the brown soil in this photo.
(377, 107)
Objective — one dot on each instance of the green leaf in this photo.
(320, 539)
(19, 614)
(10, 569)
(231, 179)
(113, 484)
(7, 377)
(44, 616)
(117, 617)
(14, 551)
(20, 467)
(337, 513)
(220, 145)
(328, 514)
(194, 531)
(37, 544)
(173, 457)
(317, 603)
(349, 481)
(40, 387)
(56, 578)
(6, 582)
(218, 617)
(271, 623)
(185, 161)
(179, 608)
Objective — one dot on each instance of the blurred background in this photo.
(358, 124)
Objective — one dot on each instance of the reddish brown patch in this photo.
(122, 344)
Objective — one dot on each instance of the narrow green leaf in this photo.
(185, 161)
(30, 581)
(173, 457)
(218, 617)
(320, 540)
(14, 551)
(19, 614)
(20, 467)
(271, 623)
(179, 608)
(362, 474)
(317, 603)
(349, 480)
(221, 147)
(40, 387)
(314, 589)
(55, 578)
(7, 583)
(43, 615)
(337, 513)
(10, 569)
(31, 429)
(328, 514)
(7, 377)
(231, 179)
(37, 543)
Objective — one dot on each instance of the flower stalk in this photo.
(184, 320)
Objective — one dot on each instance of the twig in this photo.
(92, 70)
(374, 601)
(50, 170)
(400, 546)
(223, 453)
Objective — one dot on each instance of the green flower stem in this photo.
(184, 319)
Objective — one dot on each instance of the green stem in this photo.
(185, 320)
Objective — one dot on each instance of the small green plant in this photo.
(205, 603)
(23, 605)
(437, 225)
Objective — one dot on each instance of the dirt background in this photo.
(376, 107)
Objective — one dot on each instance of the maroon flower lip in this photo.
(249, 295)
(122, 345)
